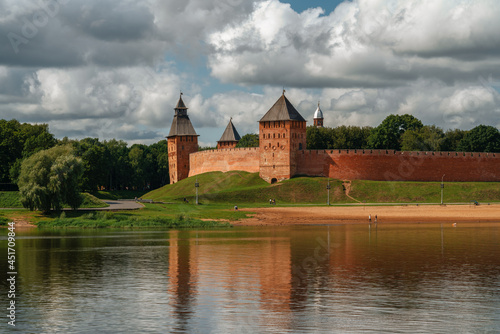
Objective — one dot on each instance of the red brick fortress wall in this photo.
(388, 165)
(225, 160)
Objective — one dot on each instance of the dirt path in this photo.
(347, 189)
(117, 205)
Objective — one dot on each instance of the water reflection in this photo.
(347, 278)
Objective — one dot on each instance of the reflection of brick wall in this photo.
(179, 149)
(244, 159)
(399, 166)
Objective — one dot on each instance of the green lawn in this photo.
(424, 192)
(120, 220)
(10, 199)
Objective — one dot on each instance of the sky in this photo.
(115, 69)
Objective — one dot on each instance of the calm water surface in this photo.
(425, 278)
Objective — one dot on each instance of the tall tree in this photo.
(426, 138)
(160, 152)
(249, 140)
(388, 134)
(452, 139)
(119, 169)
(93, 155)
(50, 178)
(19, 141)
(482, 138)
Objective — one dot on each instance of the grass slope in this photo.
(242, 187)
(238, 188)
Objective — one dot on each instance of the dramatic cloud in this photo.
(360, 44)
(114, 69)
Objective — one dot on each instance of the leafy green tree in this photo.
(482, 138)
(388, 134)
(160, 152)
(319, 138)
(206, 148)
(119, 169)
(49, 179)
(143, 166)
(93, 155)
(249, 140)
(350, 137)
(452, 139)
(426, 138)
(341, 137)
(19, 141)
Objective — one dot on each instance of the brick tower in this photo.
(230, 137)
(318, 117)
(182, 141)
(282, 135)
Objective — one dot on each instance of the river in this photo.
(390, 278)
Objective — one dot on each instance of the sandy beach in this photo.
(360, 214)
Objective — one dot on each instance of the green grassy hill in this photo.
(242, 187)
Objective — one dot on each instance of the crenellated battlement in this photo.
(401, 153)
(226, 150)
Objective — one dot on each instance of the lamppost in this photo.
(196, 186)
(442, 188)
(328, 191)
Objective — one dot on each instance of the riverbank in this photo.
(360, 214)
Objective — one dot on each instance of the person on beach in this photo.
(370, 217)
(375, 218)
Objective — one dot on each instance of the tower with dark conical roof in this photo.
(282, 136)
(182, 141)
(230, 137)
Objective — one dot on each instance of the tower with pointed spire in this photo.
(182, 141)
(318, 117)
(282, 136)
(230, 137)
